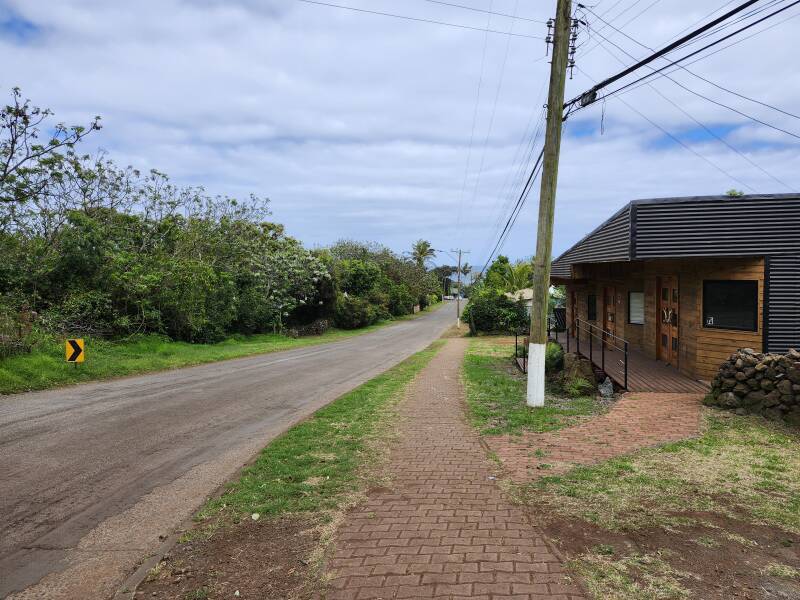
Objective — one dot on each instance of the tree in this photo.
(28, 165)
(517, 276)
(421, 251)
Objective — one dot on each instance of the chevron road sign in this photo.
(74, 351)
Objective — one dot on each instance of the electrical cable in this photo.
(640, 64)
(418, 19)
(674, 138)
(481, 10)
(707, 129)
(692, 73)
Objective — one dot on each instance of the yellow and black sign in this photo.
(74, 351)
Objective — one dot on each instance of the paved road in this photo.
(91, 475)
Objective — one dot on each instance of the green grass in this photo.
(318, 462)
(633, 577)
(496, 393)
(743, 467)
(45, 367)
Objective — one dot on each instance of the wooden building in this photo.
(687, 281)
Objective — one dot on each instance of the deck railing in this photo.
(606, 339)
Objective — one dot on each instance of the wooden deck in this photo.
(644, 373)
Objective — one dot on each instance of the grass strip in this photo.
(496, 393)
(45, 367)
(318, 462)
(743, 467)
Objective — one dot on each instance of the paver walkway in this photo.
(444, 530)
(638, 420)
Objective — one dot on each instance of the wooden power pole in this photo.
(458, 297)
(547, 201)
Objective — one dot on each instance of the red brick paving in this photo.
(636, 421)
(444, 530)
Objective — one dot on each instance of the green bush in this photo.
(578, 386)
(553, 358)
(401, 302)
(493, 312)
(353, 312)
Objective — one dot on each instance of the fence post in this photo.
(591, 351)
(578, 338)
(626, 366)
(603, 354)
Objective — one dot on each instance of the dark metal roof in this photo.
(691, 226)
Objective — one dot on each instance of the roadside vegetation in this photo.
(278, 515)
(44, 367)
(496, 391)
(712, 517)
(94, 250)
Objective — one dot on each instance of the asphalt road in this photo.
(92, 475)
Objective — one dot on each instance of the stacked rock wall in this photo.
(765, 384)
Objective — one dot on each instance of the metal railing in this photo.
(521, 351)
(606, 339)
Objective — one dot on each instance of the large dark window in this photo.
(591, 304)
(730, 305)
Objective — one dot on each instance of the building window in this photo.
(591, 304)
(730, 305)
(636, 308)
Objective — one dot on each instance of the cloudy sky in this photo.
(365, 126)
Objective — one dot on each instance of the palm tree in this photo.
(518, 276)
(421, 251)
(466, 269)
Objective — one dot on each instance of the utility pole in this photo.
(547, 199)
(458, 297)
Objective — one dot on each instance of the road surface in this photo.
(92, 475)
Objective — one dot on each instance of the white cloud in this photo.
(358, 125)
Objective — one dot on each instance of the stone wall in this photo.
(765, 384)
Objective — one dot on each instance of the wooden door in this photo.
(667, 332)
(609, 313)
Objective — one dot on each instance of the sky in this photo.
(368, 127)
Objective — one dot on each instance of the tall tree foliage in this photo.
(95, 248)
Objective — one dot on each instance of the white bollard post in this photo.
(536, 374)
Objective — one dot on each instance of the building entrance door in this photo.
(667, 331)
(609, 313)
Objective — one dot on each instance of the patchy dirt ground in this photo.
(712, 517)
(715, 558)
(261, 560)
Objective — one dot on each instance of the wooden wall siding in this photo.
(701, 350)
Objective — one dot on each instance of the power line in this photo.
(688, 27)
(481, 10)
(494, 112)
(509, 190)
(592, 92)
(718, 50)
(418, 19)
(677, 61)
(511, 185)
(707, 129)
(520, 203)
(692, 73)
(474, 122)
(674, 138)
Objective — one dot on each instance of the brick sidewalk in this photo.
(636, 421)
(444, 530)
